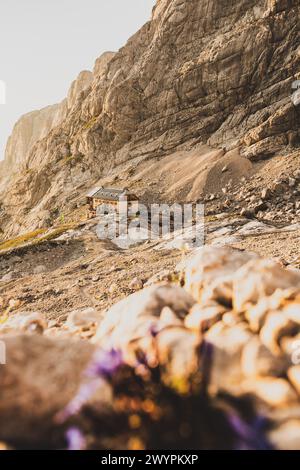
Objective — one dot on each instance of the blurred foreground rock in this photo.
(232, 333)
(24, 322)
(40, 378)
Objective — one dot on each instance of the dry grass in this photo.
(35, 238)
(90, 123)
(18, 241)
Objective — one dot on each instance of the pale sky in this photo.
(44, 44)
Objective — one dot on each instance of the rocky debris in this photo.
(266, 193)
(23, 322)
(7, 277)
(239, 296)
(136, 284)
(247, 213)
(259, 279)
(265, 299)
(83, 320)
(246, 307)
(145, 315)
(210, 272)
(164, 276)
(278, 201)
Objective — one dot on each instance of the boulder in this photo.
(7, 277)
(273, 392)
(258, 360)
(23, 322)
(209, 273)
(286, 436)
(148, 326)
(258, 279)
(39, 378)
(136, 284)
(142, 315)
(228, 343)
(83, 319)
(202, 318)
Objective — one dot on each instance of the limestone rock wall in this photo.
(36, 125)
(212, 72)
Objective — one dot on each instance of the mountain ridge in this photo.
(199, 73)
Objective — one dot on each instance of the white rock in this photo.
(113, 288)
(14, 304)
(286, 436)
(257, 360)
(201, 318)
(294, 377)
(39, 269)
(275, 392)
(7, 277)
(136, 284)
(140, 313)
(258, 279)
(210, 271)
(276, 325)
(83, 319)
(29, 322)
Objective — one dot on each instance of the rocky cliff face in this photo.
(36, 125)
(212, 72)
(28, 130)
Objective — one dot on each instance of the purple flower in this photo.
(249, 436)
(206, 351)
(104, 363)
(84, 394)
(103, 366)
(75, 439)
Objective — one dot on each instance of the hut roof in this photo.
(109, 194)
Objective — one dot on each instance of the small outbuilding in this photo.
(109, 197)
